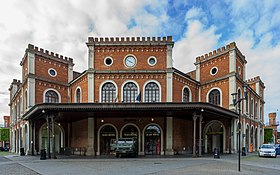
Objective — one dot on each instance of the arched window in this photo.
(25, 100)
(239, 97)
(108, 93)
(186, 95)
(130, 91)
(78, 95)
(51, 97)
(214, 97)
(152, 92)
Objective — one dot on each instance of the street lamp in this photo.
(235, 102)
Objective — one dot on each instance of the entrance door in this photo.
(131, 131)
(59, 138)
(107, 135)
(215, 136)
(152, 140)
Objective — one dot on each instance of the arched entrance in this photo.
(130, 131)
(256, 139)
(107, 136)
(152, 140)
(59, 138)
(247, 138)
(214, 136)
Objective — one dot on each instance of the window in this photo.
(52, 72)
(214, 97)
(186, 95)
(108, 61)
(51, 97)
(152, 92)
(251, 108)
(214, 71)
(239, 97)
(25, 100)
(152, 61)
(108, 92)
(130, 91)
(78, 95)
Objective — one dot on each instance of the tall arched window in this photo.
(78, 95)
(239, 97)
(186, 95)
(108, 93)
(152, 92)
(25, 100)
(51, 97)
(214, 97)
(130, 91)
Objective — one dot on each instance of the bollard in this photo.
(216, 153)
(43, 154)
(21, 151)
(243, 151)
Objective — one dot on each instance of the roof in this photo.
(78, 111)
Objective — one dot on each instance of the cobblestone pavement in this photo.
(227, 164)
(8, 167)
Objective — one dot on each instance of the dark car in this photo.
(277, 149)
(4, 149)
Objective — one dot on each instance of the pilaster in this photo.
(169, 136)
(90, 57)
(91, 87)
(90, 148)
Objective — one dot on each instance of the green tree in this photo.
(268, 135)
(4, 134)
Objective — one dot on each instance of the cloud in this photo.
(197, 40)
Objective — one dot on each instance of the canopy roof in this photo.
(69, 112)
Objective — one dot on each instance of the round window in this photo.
(108, 61)
(152, 61)
(214, 71)
(52, 72)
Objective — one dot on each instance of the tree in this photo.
(4, 134)
(268, 135)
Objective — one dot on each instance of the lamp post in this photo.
(237, 102)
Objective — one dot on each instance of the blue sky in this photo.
(197, 27)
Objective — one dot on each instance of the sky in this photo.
(197, 27)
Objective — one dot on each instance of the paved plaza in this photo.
(227, 164)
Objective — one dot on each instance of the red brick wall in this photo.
(82, 82)
(221, 62)
(25, 66)
(240, 64)
(182, 134)
(42, 65)
(118, 53)
(79, 133)
(119, 79)
(41, 86)
(178, 84)
(223, 85)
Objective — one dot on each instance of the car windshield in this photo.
(268, 146)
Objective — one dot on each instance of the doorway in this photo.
(107, 136)
(152, 140)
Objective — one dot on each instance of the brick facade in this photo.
(222, 69)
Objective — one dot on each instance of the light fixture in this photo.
(102, 121)
(152, 119)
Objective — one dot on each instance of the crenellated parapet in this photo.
(34, 49)
(214, 53)
(253, 80)
(130, 41)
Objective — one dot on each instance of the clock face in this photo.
(130, 61)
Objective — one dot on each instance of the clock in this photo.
(130, 61)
